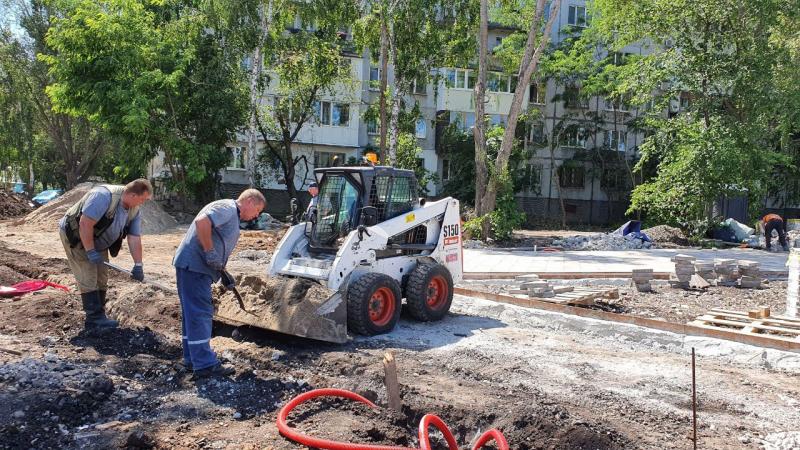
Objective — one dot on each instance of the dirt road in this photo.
(546, 386)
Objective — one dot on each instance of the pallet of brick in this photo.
(581, 296)
(641, 279)
(541, 289)
(750, 282)
(727, 272)
(750, 269)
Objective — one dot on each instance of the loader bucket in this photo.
(295, 306)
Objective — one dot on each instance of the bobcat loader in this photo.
(368, 244)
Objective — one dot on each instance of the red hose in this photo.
(424, 439)
(310, 441)
(424, 425)
(491, 435)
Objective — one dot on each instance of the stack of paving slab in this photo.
(684, 269)
(750, 272)
(641, 279)
(535, 287)
(706, 270)
(727, 272)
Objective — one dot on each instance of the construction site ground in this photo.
(547, 380)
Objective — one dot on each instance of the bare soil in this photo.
(13, 205)
(486, 365)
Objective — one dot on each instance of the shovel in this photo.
(228, 280)
(153, 283)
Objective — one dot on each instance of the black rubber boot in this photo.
(95, 311)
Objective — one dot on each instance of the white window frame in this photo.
(325, 118)
(330, 156)
(576, 138)
(424, 133)
(415, 88)
(573, 11)
(237, 153)
(445, 169)
(614, 142)
(541, 93)
(534, 173)
(531, 135)
(374, 84)
(622, 105)
(340, 105)
(583, 103)
(376, 124)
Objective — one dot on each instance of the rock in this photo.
(18, 414)
(139, 440)
(237, 415)
(99, 387)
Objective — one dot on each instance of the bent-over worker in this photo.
(313, 190)
(774, 222)
(95, 227)
(199, 262)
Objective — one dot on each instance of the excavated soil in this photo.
(154, 218)
(13, 205)
(283, 304)
(64, 388)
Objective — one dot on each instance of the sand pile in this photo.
(13, 205)
(154, 218)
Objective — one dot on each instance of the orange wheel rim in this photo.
(382, 306)
(437, 292)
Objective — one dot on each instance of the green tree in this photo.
(157, 76)
(723, 65)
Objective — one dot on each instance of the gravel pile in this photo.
(602, 242)
(665, 234)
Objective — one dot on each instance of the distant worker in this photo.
(774, 222)
(313, 190)
(199, 262)
(92, 229)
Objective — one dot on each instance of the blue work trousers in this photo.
(197, 311)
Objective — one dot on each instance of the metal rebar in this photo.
(694, 405)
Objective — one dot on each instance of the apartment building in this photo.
(573, 128)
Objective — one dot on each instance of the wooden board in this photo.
(580, 296)
(740, 322)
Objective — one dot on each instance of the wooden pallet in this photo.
(773, 327)
(581, 296)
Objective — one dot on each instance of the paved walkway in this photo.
(498, 260)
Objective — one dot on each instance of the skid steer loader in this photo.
(369, 243)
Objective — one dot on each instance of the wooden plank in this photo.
(754, 325)
(775, 342)
(771, 317)
(10, 351)
(581, 275)
(759, 313)
(390, 379)
(770, 320)
(563, 289)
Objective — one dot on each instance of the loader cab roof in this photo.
(367, 170)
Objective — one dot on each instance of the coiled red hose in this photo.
(424, 425)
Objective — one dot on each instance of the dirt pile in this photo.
(666, 236)
(154, 218)
(13, 205)
(283, 304)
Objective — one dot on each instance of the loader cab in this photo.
(353, 196)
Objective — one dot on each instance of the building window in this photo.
(336, 114)
(372, 126)
(421, 129)
(619, 58)
(497, 119)
(340, 115)
(615, 140)
(445, 169)
(420, 87)
(575, 137)
(497, 82)
(618, 104)
(532, 180)
(344, 66)
(537, 94)
(498, 41)
(238, 157)
(374, 78)
(420, 163)
(571, 177)
(686, 102)
(577, 16)
(328, 159)
(537, 135)
(464, 120)
(613, 178)
(573, 98)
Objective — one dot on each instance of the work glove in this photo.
(214, 260)
(227, 280)
(94, 256)
(137, 273)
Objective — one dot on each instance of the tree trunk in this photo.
(397, 96)
(384, 75)
(255, 94)
(479, 130)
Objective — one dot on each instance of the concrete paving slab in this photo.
(499, 260)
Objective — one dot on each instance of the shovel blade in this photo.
(294, 306)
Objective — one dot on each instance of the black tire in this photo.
(425, 298)
(373, 304)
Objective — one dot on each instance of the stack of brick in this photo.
(727, 272)
(641, 279)
(540, 289)
(706, 270)
(750, 272)
(684, 269)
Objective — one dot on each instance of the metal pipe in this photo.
(694, 405)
